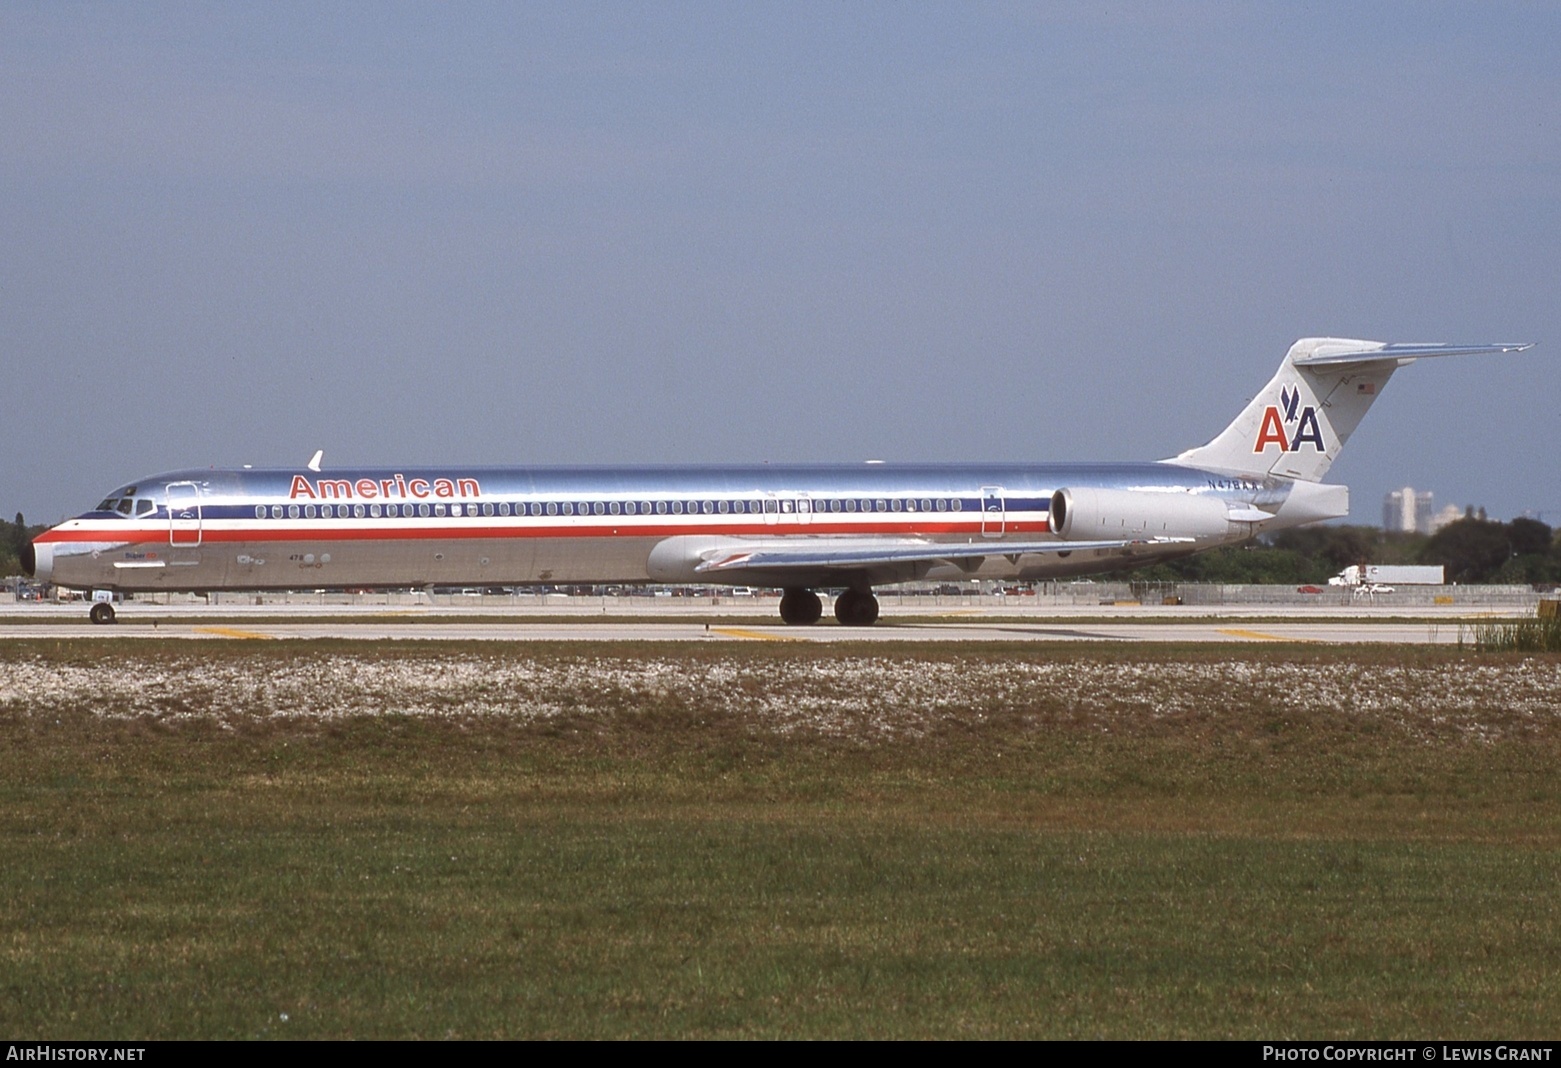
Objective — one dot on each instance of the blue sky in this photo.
(664, 232)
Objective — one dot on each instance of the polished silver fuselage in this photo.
(293, 528)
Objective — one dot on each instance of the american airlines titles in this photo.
(369, 488)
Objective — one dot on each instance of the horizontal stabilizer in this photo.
(1404, 352)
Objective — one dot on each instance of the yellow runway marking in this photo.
(1259, 636)
(230, 632)
(755, 635)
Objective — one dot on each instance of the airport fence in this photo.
(1009, 597)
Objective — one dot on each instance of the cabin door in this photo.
(184, 513)
(994, 516)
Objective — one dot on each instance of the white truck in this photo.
(1389, 575)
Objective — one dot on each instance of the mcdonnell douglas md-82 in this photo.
(798, 528)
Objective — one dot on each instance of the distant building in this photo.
(1410, 512)
(1449, 513)
(1407, 511)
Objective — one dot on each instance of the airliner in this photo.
(799, 528)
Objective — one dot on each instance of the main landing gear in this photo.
(853, 608)
(102, 612)
(856, 608)
(801, 608)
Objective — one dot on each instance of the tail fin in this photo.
(1296, 425)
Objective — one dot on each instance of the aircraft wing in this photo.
(857, 553)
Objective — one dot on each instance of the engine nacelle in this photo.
(1100, 514)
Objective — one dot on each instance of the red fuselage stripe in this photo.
(395, 532)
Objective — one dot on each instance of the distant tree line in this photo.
(1471, 550)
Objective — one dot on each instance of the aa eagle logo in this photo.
(1288, 413)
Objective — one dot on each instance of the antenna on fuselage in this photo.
(314, 464)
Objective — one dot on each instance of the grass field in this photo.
(323, 839)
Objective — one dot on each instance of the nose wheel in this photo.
(800, 608)
(856, 608)
(102, 613)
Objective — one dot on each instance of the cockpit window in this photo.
(126, 503)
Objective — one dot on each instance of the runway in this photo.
(1207, 629)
